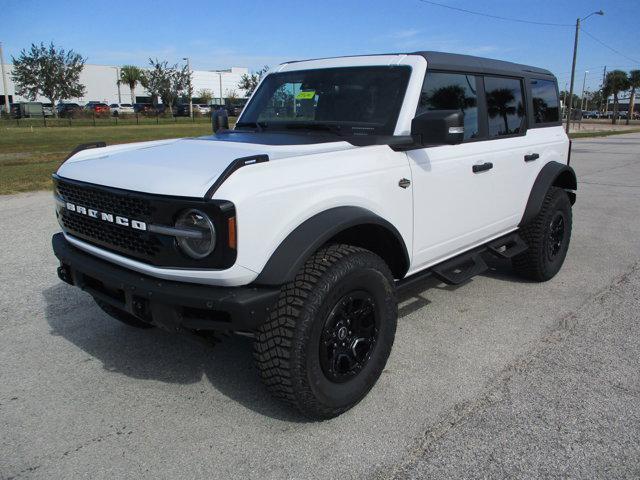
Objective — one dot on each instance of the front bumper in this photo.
(174, 306)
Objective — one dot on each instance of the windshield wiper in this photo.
(315, 126)
(259, 126)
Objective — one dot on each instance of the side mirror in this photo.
(438, 127)
(220, 120)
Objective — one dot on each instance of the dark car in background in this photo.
(182, 110)
(66, 110)
(97, 107)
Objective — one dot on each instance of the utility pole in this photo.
(573, 74)
(190, 92)
(4, 83)
(573, 65)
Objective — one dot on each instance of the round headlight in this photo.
(202, 244)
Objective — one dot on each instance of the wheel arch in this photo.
(352, 225)
(553, 174)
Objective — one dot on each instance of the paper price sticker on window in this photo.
(306, 95)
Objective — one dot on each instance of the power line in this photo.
(611, 48)
(508, 19)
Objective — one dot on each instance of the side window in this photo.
(452, 91)
(545, 101)
(505, 106)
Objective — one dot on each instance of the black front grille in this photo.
(135, 243)
(105, 201)
(129, 240)
(154, 248)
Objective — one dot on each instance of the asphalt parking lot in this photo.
(495, 378)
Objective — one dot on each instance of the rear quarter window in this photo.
(505, 106)
(545, 101)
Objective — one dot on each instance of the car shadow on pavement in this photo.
(152, 354)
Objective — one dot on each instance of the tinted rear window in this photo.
(545, 101)
(505, 106)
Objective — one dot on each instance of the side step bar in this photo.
(507, 247)
(459, 269)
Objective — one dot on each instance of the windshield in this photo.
(346, 101)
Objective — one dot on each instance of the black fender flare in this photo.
(552, 174)
(313, 233)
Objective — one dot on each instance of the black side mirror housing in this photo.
(220, 120)
(438, 127)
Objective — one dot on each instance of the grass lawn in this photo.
(602, 133)
(28, 156)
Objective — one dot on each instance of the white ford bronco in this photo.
(344, 180)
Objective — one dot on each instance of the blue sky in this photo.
(220, 34)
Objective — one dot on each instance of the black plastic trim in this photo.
(308, 237)
(545, 179)
(85, 146)
(169, 304)
(232, 167)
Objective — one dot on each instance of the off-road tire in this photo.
(287, 345)
(535, 263)
(122, 316)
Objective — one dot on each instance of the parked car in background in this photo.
(26, 109)
(97, 107)
(591, 114)
(235, 110)
(47, 109)
(202, 109)
(121, 108)
(182, 110)
(143, 108)
(66, 110)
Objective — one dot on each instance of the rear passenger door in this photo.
(466, 194)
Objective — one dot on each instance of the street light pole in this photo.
(190, 92)
(4, 83)
(573, 65)
(118, 82)
(220, 79)
(584, 80)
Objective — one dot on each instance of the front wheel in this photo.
(547, 236)
(328, 339)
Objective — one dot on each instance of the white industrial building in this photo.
(101, 85)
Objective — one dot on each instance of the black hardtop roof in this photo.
(459, 62)
(455, 61)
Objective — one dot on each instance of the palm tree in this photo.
(131, 75)
(634, 82)
(499, 103)
(615, 82)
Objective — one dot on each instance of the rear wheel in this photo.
(547, 236)
(122, 316)
(327, 342)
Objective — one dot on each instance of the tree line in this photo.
(617, 83)
(54, 73)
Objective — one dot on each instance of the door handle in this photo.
(531, 157)
(482, 167)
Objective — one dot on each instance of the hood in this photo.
(184, 167)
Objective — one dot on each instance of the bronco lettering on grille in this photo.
(106, 217)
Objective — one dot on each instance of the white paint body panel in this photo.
(447, 209)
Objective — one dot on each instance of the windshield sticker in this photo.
(306, 95)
